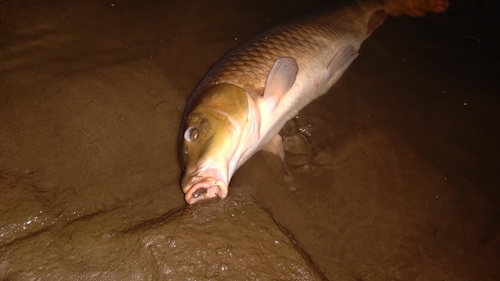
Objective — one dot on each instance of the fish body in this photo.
(242, 103)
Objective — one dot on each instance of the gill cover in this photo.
(213, 127)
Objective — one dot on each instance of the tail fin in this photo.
(415, 8)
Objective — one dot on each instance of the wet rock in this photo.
(232, 239)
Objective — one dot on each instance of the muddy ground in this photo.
(398, 178)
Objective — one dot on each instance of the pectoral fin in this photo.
(280, 80)
(275, 146)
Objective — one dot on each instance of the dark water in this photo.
(395, 175)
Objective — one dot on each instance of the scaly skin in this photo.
(238, 118)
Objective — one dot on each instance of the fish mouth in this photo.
(204, 189)
(204, 184)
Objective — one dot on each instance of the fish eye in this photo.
(191, 134)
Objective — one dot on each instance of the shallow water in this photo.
(395, 178)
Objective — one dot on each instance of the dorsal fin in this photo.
(280, 79)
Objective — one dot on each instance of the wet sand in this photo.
(398, 179)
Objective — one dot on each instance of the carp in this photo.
(241, 104)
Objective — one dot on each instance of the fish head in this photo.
(209, 141)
